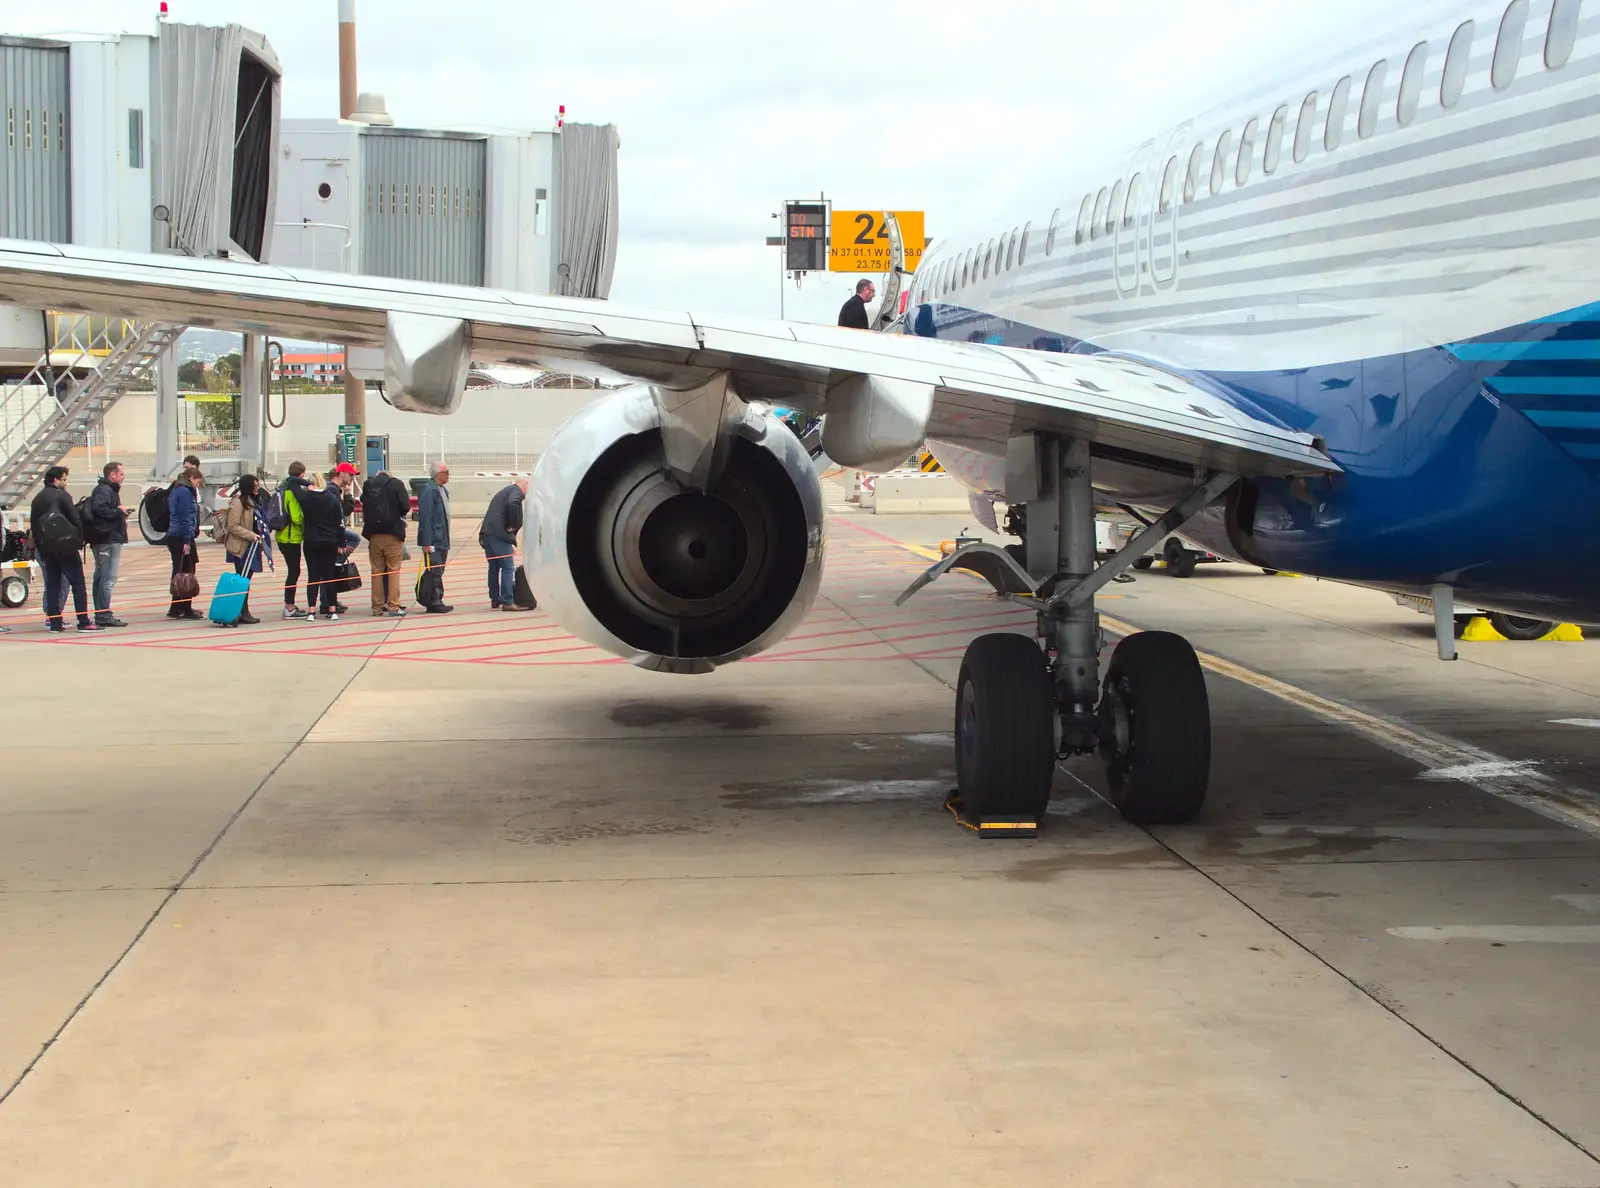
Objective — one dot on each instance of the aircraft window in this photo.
(1219, 163)
(1011, 251)
(1455, 66)
(1562, 34)
(1371, 98)
(1508, 46)
(1411, 84)
(988, 259)
(1111, 210)
(1022, 248)
(1302, 128)
(966, 265)
(1169, 178)
(1191, 177)
(1050, 233)
(1338, 108)
(1099, 213)
(1247, 152)
(1274, 150)
(1084, 212)
(1130, 208)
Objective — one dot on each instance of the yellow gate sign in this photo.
(860, 243)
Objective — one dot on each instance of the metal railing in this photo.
(411, 452)
(309, 231)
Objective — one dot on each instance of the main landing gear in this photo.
(1022, 704)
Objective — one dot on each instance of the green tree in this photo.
(192, 376)
(227, 371)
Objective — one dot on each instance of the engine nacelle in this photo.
(628, 558)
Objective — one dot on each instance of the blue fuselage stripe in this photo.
(1547, 385)
(1555, 419)
(1475, 352)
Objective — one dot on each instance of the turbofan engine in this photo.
(631, 557)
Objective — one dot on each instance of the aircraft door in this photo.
(1170, 168)
(1130, 220)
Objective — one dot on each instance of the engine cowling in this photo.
(627, 557)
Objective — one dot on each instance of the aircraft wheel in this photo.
(13, 592)
(1005, 728)
(1180, 561)
(1513, 627)
(1155, 721)
(147, 529)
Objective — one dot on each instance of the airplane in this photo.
(1343, 325)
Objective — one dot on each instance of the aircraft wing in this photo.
(981, 395)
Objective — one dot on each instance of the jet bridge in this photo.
(161, 142)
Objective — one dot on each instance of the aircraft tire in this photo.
(1515, 627)
(1155, 720)
(1180, 561)
(146, 529)
(1005, 728)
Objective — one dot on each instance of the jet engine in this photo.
(630, 556)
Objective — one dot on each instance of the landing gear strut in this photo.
(1021, 705)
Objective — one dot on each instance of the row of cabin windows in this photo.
(1099, 213)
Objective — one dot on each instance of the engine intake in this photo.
(627, 557)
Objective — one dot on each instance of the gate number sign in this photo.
(860, 242)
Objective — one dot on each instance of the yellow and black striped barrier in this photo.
(928, 464)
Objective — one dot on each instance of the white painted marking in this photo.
(1540, 934)
(935, 739)
(1417, 833)
(1584, 903)
(863, 791)
(1482, 769)
(1591, 723)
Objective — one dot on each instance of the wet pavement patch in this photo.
(730, 715)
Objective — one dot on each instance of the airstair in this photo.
(47, 412)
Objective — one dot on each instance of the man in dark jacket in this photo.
(433, 536)
(60, 544)
(853, 313)
(106, 533)
(498, 536)
(183, 531)
(385, 508)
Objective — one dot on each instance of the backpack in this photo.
(55, 537)
(278, 517)
(86, 518)
(156, 509)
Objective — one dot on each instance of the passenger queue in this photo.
(304, 523)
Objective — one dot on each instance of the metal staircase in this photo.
(39, 427)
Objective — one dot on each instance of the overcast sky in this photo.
(726, 109)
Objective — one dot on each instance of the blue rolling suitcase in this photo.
(227, 601)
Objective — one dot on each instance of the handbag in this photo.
(185, 586)
(346, 577)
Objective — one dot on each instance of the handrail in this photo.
(309, 225)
